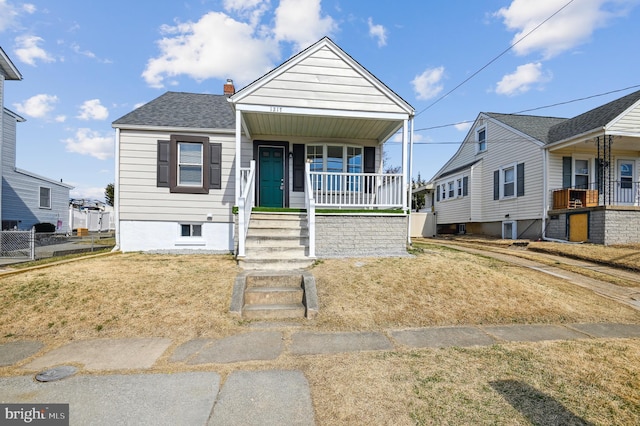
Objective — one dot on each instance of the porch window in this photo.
(581, 175)
(336, 159)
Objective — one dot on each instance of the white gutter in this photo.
(116, 192)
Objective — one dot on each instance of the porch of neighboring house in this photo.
(599, 201)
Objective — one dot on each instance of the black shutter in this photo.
(369, 167)
(496, 185)
(162, 177)
(566, 172)
(520, 179)
(465, 186)
(437, 192)
(298, 167)
(215, 166)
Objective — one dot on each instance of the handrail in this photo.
(245, 204)
(310, 204)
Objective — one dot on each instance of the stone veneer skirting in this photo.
(356, 235)
(607, 225)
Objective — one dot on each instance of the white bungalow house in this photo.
(522, 176)
(304, 141)
(26, 198)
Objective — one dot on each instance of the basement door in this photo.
(271, 176)
(578, 227)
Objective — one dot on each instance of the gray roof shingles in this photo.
(532, 125)
(182, 110)
(597, 118)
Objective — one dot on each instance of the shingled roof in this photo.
(180, 109)
(597, 118)
(532, 125)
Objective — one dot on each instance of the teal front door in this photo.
(271, 169)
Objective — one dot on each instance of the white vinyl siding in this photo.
(504, 148)
(140, 198)
(323, 80)
(627, 122)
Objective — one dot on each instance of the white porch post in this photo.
(238, 153)
(405, 180)
(410, 190)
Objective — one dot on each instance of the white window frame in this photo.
(514, 230)
(194, 229)
(451, 189)
(481, 145)
(345, 155)
(503, 170)
(451, 186)
(200, 164)
(48, 207)
(574, 169)
(459, 187)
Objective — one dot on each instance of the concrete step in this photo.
(274, 279)
(266, 252)
(275, 264)
(273, 296)
(276, 223)
(297, 232)
(282, 241)
(296, 310)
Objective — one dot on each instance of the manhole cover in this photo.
(56, 373)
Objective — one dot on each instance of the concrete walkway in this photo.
(102, 394)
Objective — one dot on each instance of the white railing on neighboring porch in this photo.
(310, 205)
(245, 204)
(361, 190)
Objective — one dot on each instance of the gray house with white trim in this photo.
(305, 139)
(25, 198)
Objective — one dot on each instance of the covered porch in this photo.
(310, 136)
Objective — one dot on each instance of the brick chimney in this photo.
(229, 89)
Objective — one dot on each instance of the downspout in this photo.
(116, 192)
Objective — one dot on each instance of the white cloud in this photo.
(301, 22)
(60, 119)
(93, 110)
(10, 14)
(91, 142)
(573, 26)
(37, 106)
(521, 80)
(463, 127)
(428, 84)
(29, 8)
(217, 46)
(28, 50)
(378, 32)
(80, 192)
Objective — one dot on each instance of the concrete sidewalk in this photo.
(245, 397)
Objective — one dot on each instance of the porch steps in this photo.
(274, 295)
(276, 241)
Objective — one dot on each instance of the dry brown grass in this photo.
(185, 297)
(625, 256)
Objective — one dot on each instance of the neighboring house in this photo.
(26, 198)
(521, 176)
(191, 167)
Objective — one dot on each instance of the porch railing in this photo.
(362, 190)
(245, 204)
(310, 205)
(614, 193)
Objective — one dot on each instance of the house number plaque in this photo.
(275, 109)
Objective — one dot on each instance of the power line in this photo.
(534, 109)
(495, 59)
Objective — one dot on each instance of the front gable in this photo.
(323, 77)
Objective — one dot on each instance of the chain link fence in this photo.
(18, 244)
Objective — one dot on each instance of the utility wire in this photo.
(495, 59)
(534, 109)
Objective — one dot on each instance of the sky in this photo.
(87, 63)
